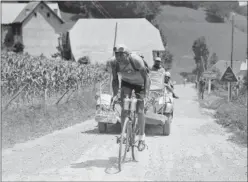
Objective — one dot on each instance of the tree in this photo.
(167, 59)
(18, 47)
(201, 52)
(213, 59)
(147, 9)
(218, 10)
(116, 9)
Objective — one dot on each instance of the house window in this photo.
(41, 7)
(56, 11)
(18, 31)
(35, 14)
(48, 15)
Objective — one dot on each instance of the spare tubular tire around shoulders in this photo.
(102, 127)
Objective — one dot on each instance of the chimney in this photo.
(55, 11)
(27, 11)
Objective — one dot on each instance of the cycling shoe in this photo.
(142, 145)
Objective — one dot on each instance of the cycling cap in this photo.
(167, 73)
(158, 59)
(121, 48)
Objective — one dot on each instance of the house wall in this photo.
(39, 32)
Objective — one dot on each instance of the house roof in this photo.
(223, 64)
(242, 73)
(22, 15)
(18, 11)
(65, 27)
(95, 38)
(243, 65)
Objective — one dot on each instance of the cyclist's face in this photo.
(120, 56)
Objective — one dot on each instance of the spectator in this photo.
(202, 87)
(184, 81)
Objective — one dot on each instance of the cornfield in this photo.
(36, 74)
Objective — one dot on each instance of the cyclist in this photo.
(134, 76)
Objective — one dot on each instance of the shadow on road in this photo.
(112, 129)
(150, 131)
(110, 165)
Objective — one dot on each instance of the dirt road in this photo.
(197, 149)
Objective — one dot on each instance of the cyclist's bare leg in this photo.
(141, 115)
(123, 116)
(124, 91)
(141, 122)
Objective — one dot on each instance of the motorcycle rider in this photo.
(167, 76)
(157, 65)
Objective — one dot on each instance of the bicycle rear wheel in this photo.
(135, 132)
(124, 147)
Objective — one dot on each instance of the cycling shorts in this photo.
(127, 88)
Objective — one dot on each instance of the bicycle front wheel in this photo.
(124, 146)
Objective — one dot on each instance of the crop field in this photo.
(37, 74)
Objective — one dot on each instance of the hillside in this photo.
(184, 25)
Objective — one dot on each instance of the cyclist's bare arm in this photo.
(169, 88)
(115, 80)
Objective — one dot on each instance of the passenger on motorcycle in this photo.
(169, 85)
(134, 76)
(167, 76)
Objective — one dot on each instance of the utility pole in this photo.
(110, 79)
(229, 83)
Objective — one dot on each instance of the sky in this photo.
(242, 3)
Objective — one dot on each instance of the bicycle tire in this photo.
(121, 159)
(134, 133)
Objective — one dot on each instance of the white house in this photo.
(34, 24)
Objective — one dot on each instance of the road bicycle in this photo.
(130, 127)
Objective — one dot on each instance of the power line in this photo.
(95, 5)
(103, 9)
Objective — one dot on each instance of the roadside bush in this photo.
(84, 60)
(18, 47)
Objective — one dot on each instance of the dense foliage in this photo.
(113, 9)
(149, 9)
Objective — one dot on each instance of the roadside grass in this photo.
(29, 122)
(230, 115)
